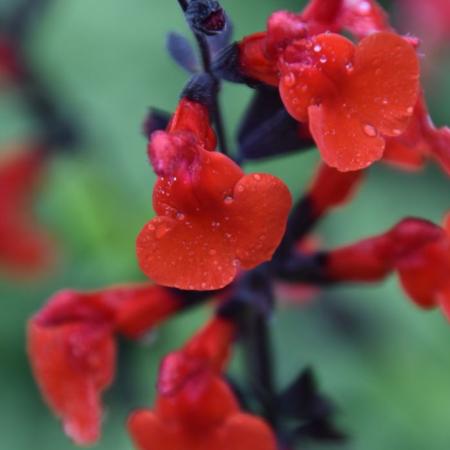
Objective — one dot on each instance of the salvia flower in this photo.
(353, 97)
(417, 250)
(211, 218)
(195, 408)
(72, 349)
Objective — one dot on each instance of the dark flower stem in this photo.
(206, 62)
(258, 355)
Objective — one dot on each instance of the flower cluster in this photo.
(221, 234)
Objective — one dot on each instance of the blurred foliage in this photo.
(385, 362)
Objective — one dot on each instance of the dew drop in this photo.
(364, 7)
(257, 177)
(323, 59)
(409, 110)
(240, 188)
(228, 200)
(370, 130)
(203, 285)
(161, 231)
(397, 132)
(317, 48)
(289, 79)
(180, 216)
(150, 227)
(236, 263)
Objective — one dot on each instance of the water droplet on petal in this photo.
(180, 216)
(317, 48)
(397, 132)
(349, 67)
(323, 59)
(257, 177)
(364, 7)
(240, 188)
(161, 231)
(236, 263)
(228, 200)
(370, 130)
(409, 110)
(150, 227)
(289, 79)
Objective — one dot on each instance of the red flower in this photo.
(417, 250)
(211, 217)
(353, 97)
(373, 258)
(195, 409)
(426, 275)
(72, 348)
(24, 247)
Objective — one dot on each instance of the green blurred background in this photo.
(385, 363)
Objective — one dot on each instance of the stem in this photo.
(206, 63)
(259, 358)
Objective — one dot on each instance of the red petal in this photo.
(343, 141)
(385, 84)
(258, 217)
(324, 11)
(193, 117)
(202, 250)
(403, 156)
(73, 364)
(189, 254)
(149, 433)
(72, 349)
(312, 70)
(140, 307)
(254, 62)
(282, 28)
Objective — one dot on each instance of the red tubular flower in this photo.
(254, 61)
(353, 97)
(426, 275)
(72, 348)
(211, 217)
(374, 258)
(417, 250)
(195, 409)
(24, 247)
